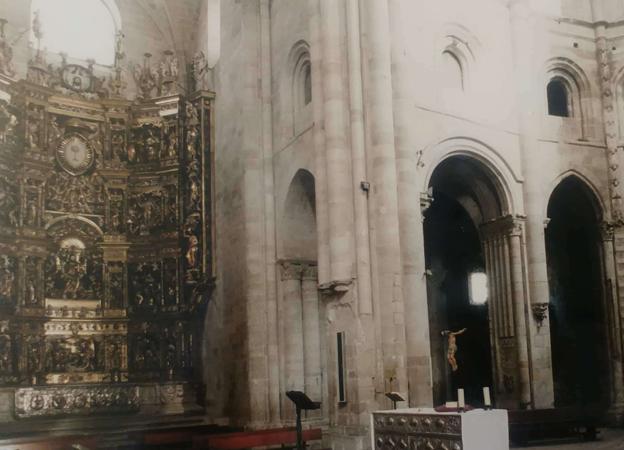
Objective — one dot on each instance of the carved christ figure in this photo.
(452, 346)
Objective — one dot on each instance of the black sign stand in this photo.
(302, 402)
(394, 397)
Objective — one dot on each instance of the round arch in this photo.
(489, 159)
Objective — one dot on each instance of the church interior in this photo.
(324, 224)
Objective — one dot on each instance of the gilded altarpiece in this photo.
(106, 242)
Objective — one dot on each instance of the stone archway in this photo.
(470, 232)
(578, 322)
(300, 325)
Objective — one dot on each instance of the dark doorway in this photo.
(580, 368)
(464, 197)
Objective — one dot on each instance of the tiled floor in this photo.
(610, 439)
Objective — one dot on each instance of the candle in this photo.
(486, 397)
(460, 399)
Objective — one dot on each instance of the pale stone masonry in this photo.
(369, 154)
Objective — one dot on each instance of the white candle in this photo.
(486, 397)
(461, 403)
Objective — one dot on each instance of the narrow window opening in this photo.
(307, 85)
(453, 75)
(478, 288)
(557, 99)
(340, 355)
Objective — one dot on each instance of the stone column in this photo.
(335, 110)
(520, 312)
(384, 206)
(507, 309)
(269, 211)
(410, 181)
(292, 323)
(528, 86)
(358, 156)
(311, 333)
(613, 324)
(322, 213)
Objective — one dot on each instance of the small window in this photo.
(558, 99)
(453, 75)
(340, 356)
(478, 288)
(307, 84)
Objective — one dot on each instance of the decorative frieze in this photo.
(52, 401)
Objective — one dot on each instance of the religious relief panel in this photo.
(145, 352)
(145, 285)
(73, 354)
(69, 194)
(146, 145)
(74, 266)
(170, 140)
(145, 212)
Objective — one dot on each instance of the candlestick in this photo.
(461, 403)
(486, 397)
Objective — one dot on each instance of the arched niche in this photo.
(298, 224)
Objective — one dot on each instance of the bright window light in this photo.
(83, 29)
(478, 288)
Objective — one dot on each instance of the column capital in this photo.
(291, 270)
(310, 271)
(509, 225)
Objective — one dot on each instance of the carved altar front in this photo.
(106, 242)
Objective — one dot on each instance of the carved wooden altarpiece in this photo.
(106, 244)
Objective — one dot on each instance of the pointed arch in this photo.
(590, 189)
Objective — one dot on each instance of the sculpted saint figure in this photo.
(452, 346)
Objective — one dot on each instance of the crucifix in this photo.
(452, 346)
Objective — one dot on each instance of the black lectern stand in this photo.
(302, 402)
(394, 397)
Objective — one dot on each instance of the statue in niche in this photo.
(6, 52)
(8, 122)
(172, 145)
(195, 193)
(31, 293)
(452, 346)
(8, 203)
(191, 151)
(193, 252)
(132, 154)
(7, 279)
(152, 145)
(56, 132)
(5, 352)
(31, 212)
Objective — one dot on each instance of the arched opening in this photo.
(452, 71)
(299, 310)
(577, 324)
(87, 33)
(307, 84)
(299, 220)
(465, 196)
(558, 98)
